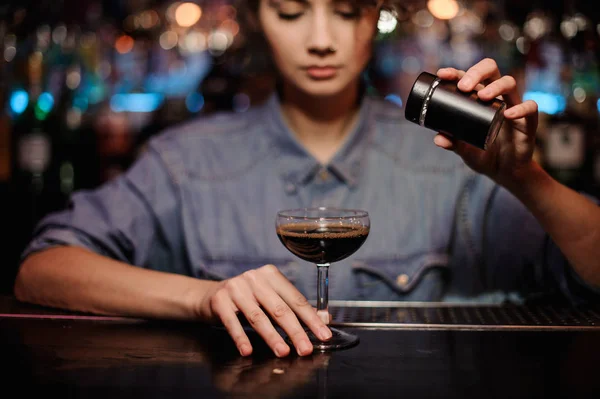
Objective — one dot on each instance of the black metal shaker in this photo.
(439, 105)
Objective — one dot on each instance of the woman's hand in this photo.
(512, 151)
(255, 294)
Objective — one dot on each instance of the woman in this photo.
(187, 232)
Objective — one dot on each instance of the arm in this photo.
(570, 219)
(75, 278)
(81, 258)
(118, 250)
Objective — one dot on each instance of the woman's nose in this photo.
(320, 37)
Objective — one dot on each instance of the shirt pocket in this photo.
(225, 268)
(420, 277)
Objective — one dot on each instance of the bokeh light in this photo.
(45, 102)
(387, 22)
(19, 101)
(168, 40)
(124, 44)
(443, 9)
(187, 14)
(194, 102)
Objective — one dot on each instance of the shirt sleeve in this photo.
(518, 255)
(132, 218)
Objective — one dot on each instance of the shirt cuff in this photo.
(56, 238)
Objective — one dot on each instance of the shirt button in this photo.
(402, 280)
(323, 175)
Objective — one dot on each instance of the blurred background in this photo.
(85, 83)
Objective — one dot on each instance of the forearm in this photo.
(572, 220)
(77, 279)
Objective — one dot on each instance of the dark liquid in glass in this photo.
(322, 244)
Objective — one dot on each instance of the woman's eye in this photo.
(347, 10)
(349, 14)
(289, 17)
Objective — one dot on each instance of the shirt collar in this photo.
(299, 166)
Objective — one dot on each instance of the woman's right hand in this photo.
(258, 291)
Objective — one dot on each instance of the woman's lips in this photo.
(320, 73)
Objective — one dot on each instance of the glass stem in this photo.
(323, 292)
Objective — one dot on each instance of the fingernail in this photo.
(304, 348)
(280, 349)
(324, 333)
(244, 349)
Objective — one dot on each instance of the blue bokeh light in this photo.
(136, 102)
(394, 99)
(45, 102)
(19, 101)
(548, 103)
(194, 102)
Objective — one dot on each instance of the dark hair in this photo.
(391, 5)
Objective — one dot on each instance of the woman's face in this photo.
(319, 46)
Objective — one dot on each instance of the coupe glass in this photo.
(324, 236)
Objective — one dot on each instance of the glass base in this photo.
(339, 340)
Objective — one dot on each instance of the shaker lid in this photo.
(417, 96)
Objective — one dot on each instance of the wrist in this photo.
(525, 181)
(198, 299)
(522, 176)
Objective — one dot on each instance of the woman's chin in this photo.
(323, 88)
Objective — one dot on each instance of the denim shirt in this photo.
(202, 200)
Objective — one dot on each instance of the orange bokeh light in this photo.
(187, 14)
(124, 44)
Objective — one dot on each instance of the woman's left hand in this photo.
(512, 151)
